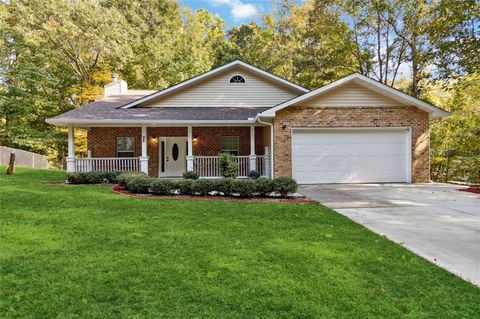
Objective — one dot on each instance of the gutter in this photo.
(257, 119)
(85, 122)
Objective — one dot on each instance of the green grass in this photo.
(86, 252)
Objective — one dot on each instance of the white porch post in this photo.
(71, 150)
(252, 159)
(190, 149)
(144, 157)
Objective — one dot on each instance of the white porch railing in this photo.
(209, 166)
(107, 164)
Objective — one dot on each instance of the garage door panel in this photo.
(349, 156)
(349, 149)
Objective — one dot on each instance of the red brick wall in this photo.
(401, 116)
(102, 141)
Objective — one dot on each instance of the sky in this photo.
(234, 12)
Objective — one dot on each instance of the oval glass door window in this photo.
(175, 151)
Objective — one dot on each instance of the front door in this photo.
(175, 152)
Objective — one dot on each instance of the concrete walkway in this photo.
(436, 221)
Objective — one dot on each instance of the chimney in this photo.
(117, 87)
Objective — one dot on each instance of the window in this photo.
(230, 144)
(237, 79)
(125, 146)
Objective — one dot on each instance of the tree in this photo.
(455, 33)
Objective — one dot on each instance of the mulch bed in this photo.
(120, 190)
(475, 190)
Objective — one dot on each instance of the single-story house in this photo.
(352, 130)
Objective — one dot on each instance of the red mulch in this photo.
(475, 190)
(120, 190)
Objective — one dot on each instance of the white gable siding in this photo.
(351, 94)
(219, 92)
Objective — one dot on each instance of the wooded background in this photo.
(56, 55)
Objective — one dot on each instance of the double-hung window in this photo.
(125, 146)
(230, 144)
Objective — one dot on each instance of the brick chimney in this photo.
(116, 87)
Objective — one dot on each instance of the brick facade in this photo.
(102, 141)
(401, 116)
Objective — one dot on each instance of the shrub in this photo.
(184, 186)
(228, 165)
(111, 177)
(162, 186)
(264, 186)
(95, 177)
(284, 185)
(124, 178)
(190, 175)
(243, 187)
(90, 177)
(202, 187)
(224, 186)
(139, 184)
(77, 178)
(254, 174)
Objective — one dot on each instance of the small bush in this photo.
(77, 178)
(264, 186)
(184, 186)
(91, 177)
(95, 177)
(124, 178)
(111, 177)
(224, 186)
(190, 175)
(254, 174)
(284, 185)
(202, 187)
(162, 186)
(228, 165)
(243, 187)
(139, 184)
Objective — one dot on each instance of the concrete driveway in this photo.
(436, 221)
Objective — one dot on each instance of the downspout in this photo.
(257, 118)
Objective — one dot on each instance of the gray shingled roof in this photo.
(107, 109)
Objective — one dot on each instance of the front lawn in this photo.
(86, 252)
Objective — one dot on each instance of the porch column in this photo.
(190, 149)
(71, 150)
(144, 157)
(252, 159)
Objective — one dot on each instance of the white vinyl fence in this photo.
(23, 158)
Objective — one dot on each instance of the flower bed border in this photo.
(122, 191)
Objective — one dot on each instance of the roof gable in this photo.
(356, 90)
(271, 80)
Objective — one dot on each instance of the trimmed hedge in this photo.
(139, 184)
(124, 178)
(162, 186)
(284, 185)
(243, 187)
(264, 186)
(92, 177)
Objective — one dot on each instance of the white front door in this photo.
(174, 156)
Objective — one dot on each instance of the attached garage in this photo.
(351, 155)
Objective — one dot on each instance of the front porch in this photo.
(170, 151)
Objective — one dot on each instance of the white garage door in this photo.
(350, 155)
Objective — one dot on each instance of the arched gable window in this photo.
(237, 79)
